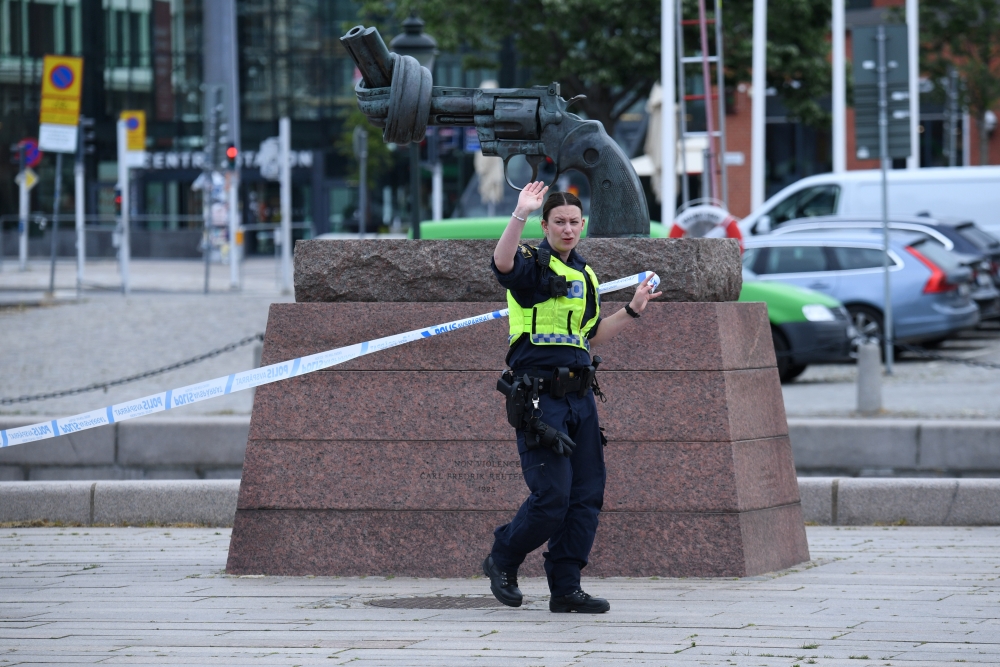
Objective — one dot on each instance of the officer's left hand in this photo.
(643, 293)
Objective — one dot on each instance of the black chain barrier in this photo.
(134, 378)
(919, 351)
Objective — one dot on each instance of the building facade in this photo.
(156, 56)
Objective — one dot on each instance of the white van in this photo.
(970, 193)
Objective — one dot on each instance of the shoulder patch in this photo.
(526, 250)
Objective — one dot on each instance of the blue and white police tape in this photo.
(175, 398)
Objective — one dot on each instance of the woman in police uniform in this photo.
(548, 332)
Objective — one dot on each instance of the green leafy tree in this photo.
(609, 50)
(798, 50)
(965, 35)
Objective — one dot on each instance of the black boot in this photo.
(580, 602)
(503, 583)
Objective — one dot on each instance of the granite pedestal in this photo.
(402, 462)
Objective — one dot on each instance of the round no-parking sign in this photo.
(32, 156)
(61, 77)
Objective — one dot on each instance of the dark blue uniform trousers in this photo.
(566, 496)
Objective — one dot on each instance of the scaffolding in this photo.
(715, 186)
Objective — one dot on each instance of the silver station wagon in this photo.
(930, 288)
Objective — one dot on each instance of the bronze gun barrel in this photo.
(370, 54)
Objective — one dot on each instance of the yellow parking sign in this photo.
(135, 129)
(62, 81)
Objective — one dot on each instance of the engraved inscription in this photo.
(483, 475)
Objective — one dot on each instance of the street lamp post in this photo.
(414, 42)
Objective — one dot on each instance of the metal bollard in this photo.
(869, 378)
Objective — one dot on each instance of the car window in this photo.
(937, 253)
(795, 259)
(808, 203)
(750, 258)
(979, 238)
(849, 259)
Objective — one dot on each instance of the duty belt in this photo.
(562, 380)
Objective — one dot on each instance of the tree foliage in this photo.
(798, 49)
(965, 35)
(609, 50)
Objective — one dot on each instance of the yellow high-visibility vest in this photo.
(559, 320)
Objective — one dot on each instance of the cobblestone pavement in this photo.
(105, 336)
(871, 596)
(918, 387)
(146, 276)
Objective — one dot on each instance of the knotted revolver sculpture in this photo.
(396, 94)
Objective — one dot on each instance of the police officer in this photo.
(555, 318)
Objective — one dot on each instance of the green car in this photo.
(492, 228)
(807, 327)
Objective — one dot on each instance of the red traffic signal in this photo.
(232, 152)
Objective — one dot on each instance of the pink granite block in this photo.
(385, 405)
(765, 473)
(745, 336)
(700, 476)
(454, 543)
(669, 336)
(452, 475)
(643, 406)
(773, 539)
(402, 462)
(298, 329)
(692, 406)
(382, 475)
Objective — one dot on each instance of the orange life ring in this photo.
(706, 220)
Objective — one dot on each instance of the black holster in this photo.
(521, 394)
(516, 394)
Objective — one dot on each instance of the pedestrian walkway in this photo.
(919, 388)
(892, 596)
(259, 277)
(103, 336)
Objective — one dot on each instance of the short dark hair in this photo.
(560, 199)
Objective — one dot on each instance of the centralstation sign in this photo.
(246, 159)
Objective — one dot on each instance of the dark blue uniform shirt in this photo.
(529, 284)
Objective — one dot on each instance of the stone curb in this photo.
(905, 447)
(843, 501)
(149, 448)
(203, 502)
(851, 501)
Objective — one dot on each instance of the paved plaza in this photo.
(886, 596)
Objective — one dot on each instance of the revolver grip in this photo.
(617, 203)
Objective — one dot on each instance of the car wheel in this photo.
(868, 325)
(787, 371)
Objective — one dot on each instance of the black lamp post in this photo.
(414, 42)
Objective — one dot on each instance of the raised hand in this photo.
(531, 198)
(643, 293)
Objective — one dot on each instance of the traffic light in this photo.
(118, 202)
(88, 135)
(231, 153)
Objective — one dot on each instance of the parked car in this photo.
(807, 327)
(984, 265)
(969, 193)
(930, 288)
